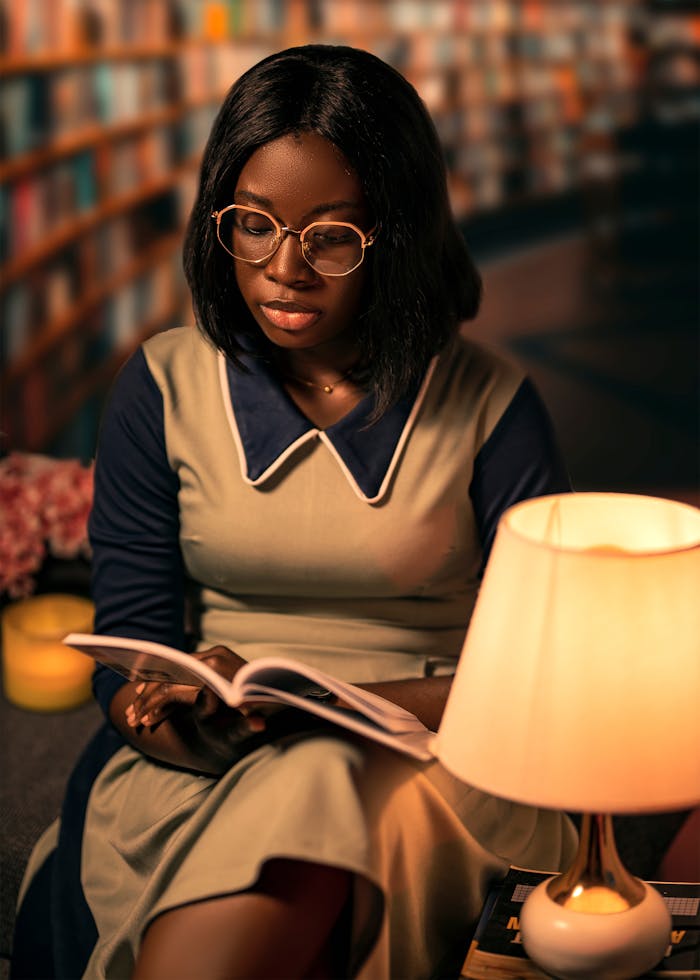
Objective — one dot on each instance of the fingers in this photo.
(207, 703)
(156, 700)
(222, 660)
(256, 723)
(240, 722)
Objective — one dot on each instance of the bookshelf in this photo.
(106, 107)
(105, 110)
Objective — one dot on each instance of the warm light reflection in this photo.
(597, 899)
(39, 672)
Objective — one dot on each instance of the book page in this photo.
(148, 661)
(260, 676)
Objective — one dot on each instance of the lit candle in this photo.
(39, 672)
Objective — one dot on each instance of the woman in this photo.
(317, 471)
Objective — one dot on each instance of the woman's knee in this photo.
(283, 926)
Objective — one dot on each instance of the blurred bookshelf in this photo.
(106, 106)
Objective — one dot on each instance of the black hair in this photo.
(422, 281)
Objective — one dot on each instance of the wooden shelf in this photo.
(54, 61)
(95, 134)
(59, 328)
(50, 61)
(99, 379)
(81, 224)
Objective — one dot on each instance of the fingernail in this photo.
(140, 688)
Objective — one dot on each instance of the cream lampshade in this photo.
(579, 689)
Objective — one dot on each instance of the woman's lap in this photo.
(422, 847)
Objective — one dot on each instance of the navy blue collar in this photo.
(268, 429)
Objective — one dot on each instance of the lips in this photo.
(288, 315)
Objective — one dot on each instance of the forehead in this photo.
(298, 173)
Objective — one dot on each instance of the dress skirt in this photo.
(422, 846)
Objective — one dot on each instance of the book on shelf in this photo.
(497, 953)
(273, 680)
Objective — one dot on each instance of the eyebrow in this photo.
(322, 208)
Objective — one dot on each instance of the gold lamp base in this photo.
(596, 921)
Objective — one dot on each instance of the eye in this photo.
(326, 236)
(252, 224)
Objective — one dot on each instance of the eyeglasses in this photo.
(331, 248)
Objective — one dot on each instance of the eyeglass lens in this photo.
(252, 236)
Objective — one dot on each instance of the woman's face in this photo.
(299, 179)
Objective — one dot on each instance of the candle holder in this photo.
(39, 672)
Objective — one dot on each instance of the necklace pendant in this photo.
(328, 389)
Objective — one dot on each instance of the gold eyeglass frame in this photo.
(283, 230)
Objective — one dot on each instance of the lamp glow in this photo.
(586, 638)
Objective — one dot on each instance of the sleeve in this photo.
(520, 459)
(137, 568)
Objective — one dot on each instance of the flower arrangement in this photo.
(44, 507)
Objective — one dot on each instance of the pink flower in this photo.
(44, 507)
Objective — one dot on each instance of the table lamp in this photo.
(578, 689)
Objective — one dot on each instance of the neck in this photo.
(318, 368)
(327, 387)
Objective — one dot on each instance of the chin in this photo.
(306, 339)
(290, 339)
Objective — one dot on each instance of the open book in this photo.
(271, 679)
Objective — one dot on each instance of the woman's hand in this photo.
(156, 700)
(187, 725)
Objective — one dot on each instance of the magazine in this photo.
(269, 679)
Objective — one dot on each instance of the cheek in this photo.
(244, 276)
(345, 298)
(351, 293)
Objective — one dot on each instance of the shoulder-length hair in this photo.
(422, 281)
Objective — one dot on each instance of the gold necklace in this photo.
(327, 388)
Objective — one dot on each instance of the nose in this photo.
(288, 265)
